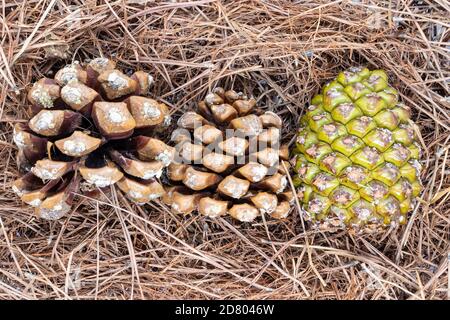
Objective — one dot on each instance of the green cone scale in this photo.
(356, 155)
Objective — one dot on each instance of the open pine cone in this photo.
(228, 160)
(90, 129)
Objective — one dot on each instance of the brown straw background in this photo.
(282, 52)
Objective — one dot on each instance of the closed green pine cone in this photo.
(356, 155)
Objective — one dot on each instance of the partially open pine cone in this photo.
(228, 160)
(91, 127)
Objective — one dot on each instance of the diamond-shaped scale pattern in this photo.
(356, 154)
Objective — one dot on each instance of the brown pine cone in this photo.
(90, 129)
(228, 160)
